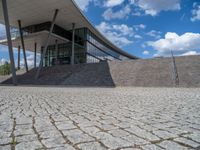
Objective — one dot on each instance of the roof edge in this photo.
(102, 36)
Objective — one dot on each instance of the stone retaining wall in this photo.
(157, 72)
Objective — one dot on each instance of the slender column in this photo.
(23, 46)
(7, 25)
(47, 43)
(35, 54)
(41, 51)
(19, 50)
(73, 37)
(56, 48)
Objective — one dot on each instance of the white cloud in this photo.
(196, 13)
(83, 4)
(146, 52)
(153, 7)
(3, 61)
(112, 3)
(30, 60)
(118, 34)
(2, 30)
(139, 26)
(124, 29)
(179, 44)
(155, 34)
(121, 14)
(138, 36)
(189, 53)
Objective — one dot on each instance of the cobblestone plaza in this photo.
(99, 118)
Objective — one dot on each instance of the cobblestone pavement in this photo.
(99, 118)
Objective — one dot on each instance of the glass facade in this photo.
(88, 47)
(62, 54)
(102, 51)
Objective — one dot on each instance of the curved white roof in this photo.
(32, 12)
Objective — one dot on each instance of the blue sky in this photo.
(145, 28)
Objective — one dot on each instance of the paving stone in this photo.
(119, 133)
(124, 124)
(65, 147)
(28, 145)
(65, 125)
(5, 135)
(22, 121)
(187, 142)
(27, 138)
(164, 134)
(172, 145)
(118, 118)
(115, 143)
(5, 141)
(6, 147)
(91, 130)
(7, 127)
(59, 118)
(107, 127)
(130, 149)
(79, 138)
(151, 147)
(194, 136)
(91, 146)
(20, 132)
(102, 135)
(72, 132)
(53, 142)
(142, 133)
(50, 134)
(135, 140)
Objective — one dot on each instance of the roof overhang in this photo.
(32, 12)
(39, 38)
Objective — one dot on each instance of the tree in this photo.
(5, 69)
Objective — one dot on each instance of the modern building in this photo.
(58, 30)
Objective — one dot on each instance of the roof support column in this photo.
(23, 46)
(35, 54)
(73, 40)
(41, 52)
(7, 25)
(56, 47)
(47, 44)
(18, 63)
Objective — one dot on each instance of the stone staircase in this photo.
(157, 72)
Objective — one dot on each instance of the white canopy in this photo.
(32, 12)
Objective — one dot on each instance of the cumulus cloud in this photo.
(2, 35)
(121, 14)
(153, 7)
(30, 60)
(83, 4)
(179, 44)
(154, 33)
(138, 36)
(195, 12)
(118, 34)
(3, 61)
(139, 26)
(190, 53)
(146, 52)
(112, 3)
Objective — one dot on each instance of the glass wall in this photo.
(100, 49)
(63, 55)
(88, 49)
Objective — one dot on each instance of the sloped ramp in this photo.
(157, 72)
